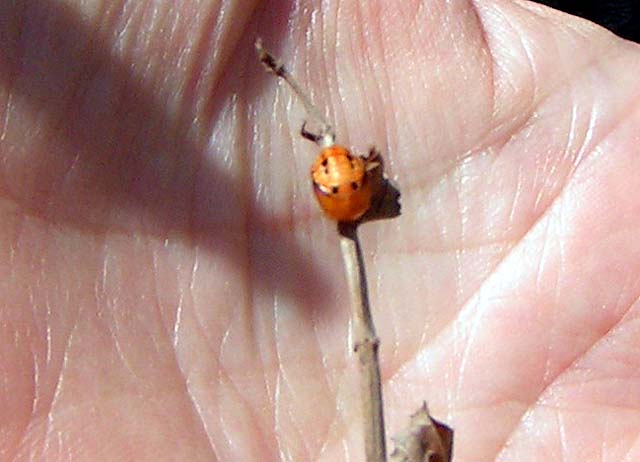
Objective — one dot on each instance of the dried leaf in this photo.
(426, 440)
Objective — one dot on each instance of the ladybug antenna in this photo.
(326, 137)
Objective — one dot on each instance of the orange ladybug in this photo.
(342, 183)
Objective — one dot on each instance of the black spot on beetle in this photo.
(334, 189)
(324, 162)
(354, 185)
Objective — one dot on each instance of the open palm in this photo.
(170, 291)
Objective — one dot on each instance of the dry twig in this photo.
(365, 344)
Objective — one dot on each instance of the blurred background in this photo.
(622, 17)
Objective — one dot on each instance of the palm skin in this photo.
(169, 290)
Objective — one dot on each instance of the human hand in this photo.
(170, 291)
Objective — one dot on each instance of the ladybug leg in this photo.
(315, 137)
(373, 159)
(324, 138)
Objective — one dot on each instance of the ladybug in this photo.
(342, 183)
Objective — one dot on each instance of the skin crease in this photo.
(169, 289)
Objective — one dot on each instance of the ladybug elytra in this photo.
(342, 183)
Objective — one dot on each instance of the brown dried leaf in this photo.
(426, 440)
